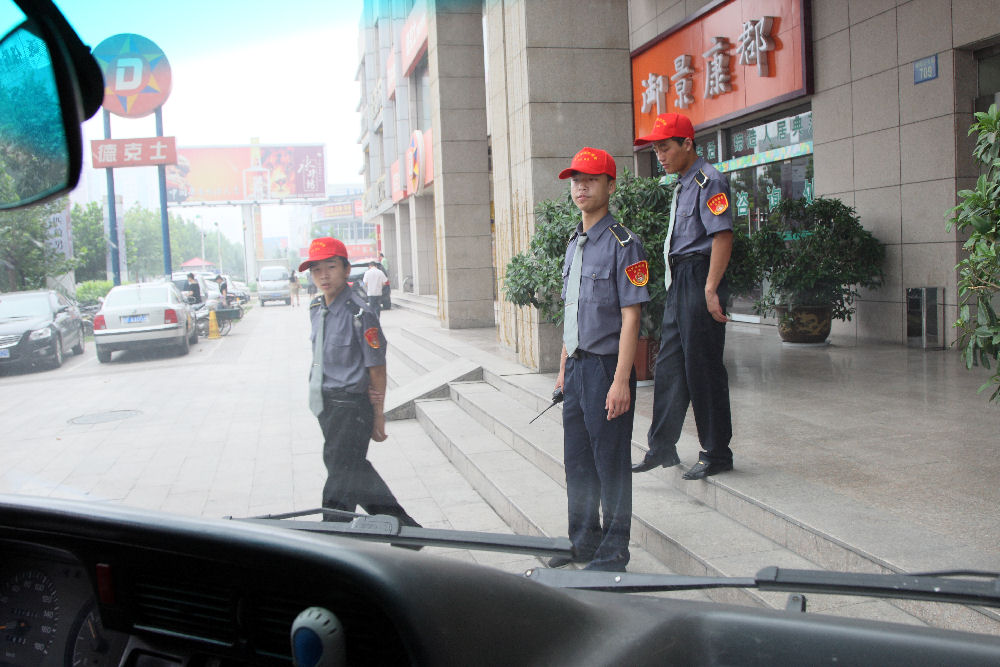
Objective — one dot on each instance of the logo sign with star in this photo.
(136, 75)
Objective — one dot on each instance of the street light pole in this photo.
(201, 228)
(218, 240)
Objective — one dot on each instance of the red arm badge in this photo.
(718, 203)
(371, 336)
(638, 273)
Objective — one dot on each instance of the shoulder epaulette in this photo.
(316, 302)
(701, 179)
(623, 235)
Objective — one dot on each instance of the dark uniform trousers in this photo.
(689, 368)
(346, 421)
(596, 455)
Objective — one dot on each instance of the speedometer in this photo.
(29, 617)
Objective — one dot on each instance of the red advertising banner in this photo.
(246, 173)
(144, 152)
(340, 210)
(414, 37)
(728, 60)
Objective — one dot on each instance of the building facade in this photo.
(868, 102)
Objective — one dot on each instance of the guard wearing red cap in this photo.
(604, 286)
(347, 384)
(689, 368)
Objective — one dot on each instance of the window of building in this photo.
(988, 71)
(422, 95)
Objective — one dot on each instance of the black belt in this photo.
(342, 395)
(674, 260)
(583, 354)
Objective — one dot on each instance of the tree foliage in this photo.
(90, 243)
(978, 214)
(27, 254)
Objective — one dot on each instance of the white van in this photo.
(273, 285)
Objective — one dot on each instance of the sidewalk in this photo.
(884, 449)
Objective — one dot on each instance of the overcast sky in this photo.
(282, 71)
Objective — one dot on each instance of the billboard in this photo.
(253, 173)
(142, 152)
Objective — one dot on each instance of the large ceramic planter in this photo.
(804, 324)
(645, 358)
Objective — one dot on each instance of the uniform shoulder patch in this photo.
(316, 302)
(623, 236)
(638, 273)
(371, 337)
(701, 179)
(718, 204)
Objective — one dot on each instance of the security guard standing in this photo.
(347, 384)
(604, 286)
(689, 367)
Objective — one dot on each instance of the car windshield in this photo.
(136, 295)
(429, 136)
(273, 274)
(26, 305)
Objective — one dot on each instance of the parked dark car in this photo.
(358, 272)
(38, 328)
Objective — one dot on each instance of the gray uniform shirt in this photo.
(349, 348)
(611, 254)
(697, 219)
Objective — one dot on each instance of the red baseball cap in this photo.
(668, 126)
(324, 247)
(591, 161)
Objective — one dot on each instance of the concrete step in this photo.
(528, 500)
(683, 533)
(806, 533)
(423, 304)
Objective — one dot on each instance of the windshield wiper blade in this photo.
(384, 528)
(929, 587)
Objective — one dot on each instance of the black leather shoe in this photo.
(650, 463)
(703, 469)
(563, 561)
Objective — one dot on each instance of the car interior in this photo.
(85, 583)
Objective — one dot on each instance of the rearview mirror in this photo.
(41, 110)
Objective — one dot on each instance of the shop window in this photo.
(988, 71)
(422, 96)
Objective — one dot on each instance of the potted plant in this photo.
(815, 257)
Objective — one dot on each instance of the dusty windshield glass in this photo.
(433, 146)
(24, 306)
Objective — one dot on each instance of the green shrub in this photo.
(978, 214)
(88, 292)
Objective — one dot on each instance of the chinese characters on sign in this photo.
(755, 42)
(773, 197)
(655, 93)
(145, 152)
(736, 57)
(717, 68)
(742, 203)
(683, 83)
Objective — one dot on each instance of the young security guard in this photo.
(347, 384)
(689, 368)
(604, 278)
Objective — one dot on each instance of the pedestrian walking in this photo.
(604, 286)
(347, 384)
(293, 288)
(689, 368)
(374, 281)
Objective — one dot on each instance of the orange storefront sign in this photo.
(732, 58)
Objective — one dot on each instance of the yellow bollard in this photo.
(213, 325)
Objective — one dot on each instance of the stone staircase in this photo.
(478, 417)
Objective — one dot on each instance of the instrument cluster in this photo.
(48, 614)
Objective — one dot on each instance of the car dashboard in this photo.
(94, 584)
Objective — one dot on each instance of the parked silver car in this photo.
(141, 316)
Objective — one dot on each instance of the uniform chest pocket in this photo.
(686, 206)
(597, 285)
